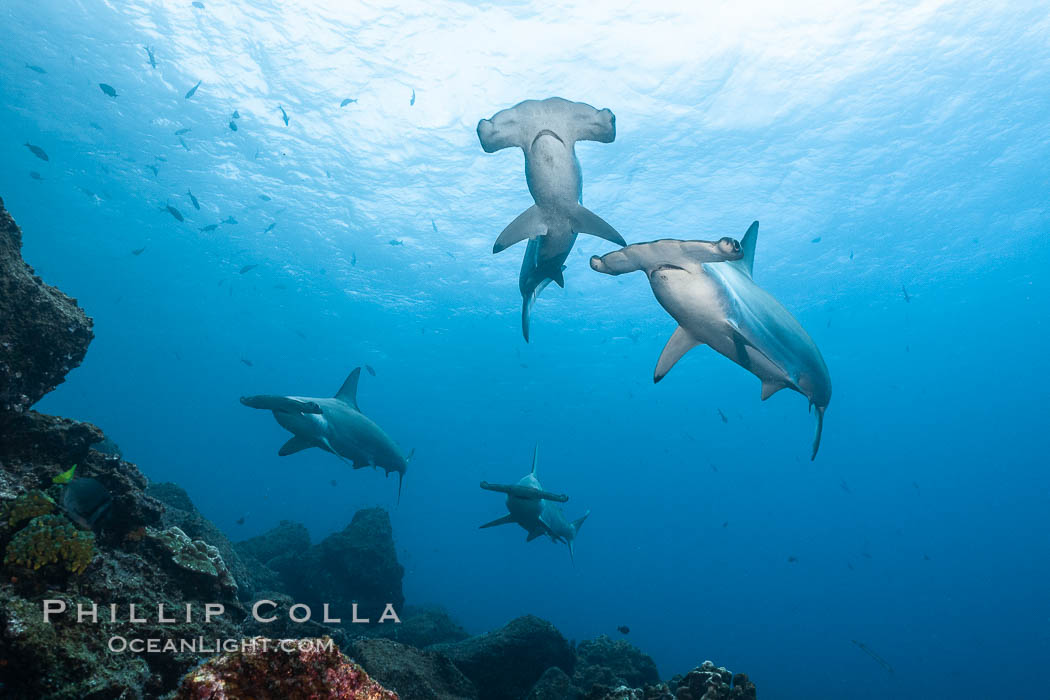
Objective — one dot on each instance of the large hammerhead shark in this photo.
(547, 132)
(335, 425)
(708, 288)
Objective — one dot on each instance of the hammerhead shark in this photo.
(533, 509)
(547, 132)
(708, 288)
(335, 425)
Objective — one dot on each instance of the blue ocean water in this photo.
(895, 153)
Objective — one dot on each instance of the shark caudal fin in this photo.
(576, 525)
(528, 224)
(820, 429)
(528, 300)
(348, 391)
(586, 221)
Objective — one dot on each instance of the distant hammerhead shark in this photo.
(533, 508)
(335, 425)
(547, 132)
(708, 288)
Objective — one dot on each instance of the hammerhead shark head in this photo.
(547, 132)
(335, 425)
(708, 288)
(533, 509)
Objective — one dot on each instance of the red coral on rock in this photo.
(313, 669)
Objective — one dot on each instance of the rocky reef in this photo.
(81, 529)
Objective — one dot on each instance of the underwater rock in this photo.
(43, 333)
(507, 662)
(287, 538)
(422, 627)
(265, 672)
(554, 684)
(180, 512)
(35, 448)
(613, 663)
(413, 674)
(358, 565)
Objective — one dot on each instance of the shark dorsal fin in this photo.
(348, 392)
(535, 457)
(747, 247)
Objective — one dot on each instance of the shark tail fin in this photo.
(586, 221)
(348, 391)
(526, 306)
(400, 481)
(576, 525)
(528, 224)
(578, 522)
(820, 429)
(535, 457)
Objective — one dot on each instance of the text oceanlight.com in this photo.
(202, 645)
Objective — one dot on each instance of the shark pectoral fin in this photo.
(769, 388)
(296, 444)
(348, 391)
(586, 221)
(528, 224)
(820, 429)
(679, 344)
(505, 520)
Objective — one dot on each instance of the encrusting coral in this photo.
(27, 506)
(313, 668)
(193, 555)
(48, 539)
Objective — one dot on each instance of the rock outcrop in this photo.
(414, 674)
(43, 333)
(507, 662)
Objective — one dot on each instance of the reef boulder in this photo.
(356, 566)
(414, 674)
(507, 662)
(43, 333)
(613, 663)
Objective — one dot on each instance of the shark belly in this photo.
(553, 175)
